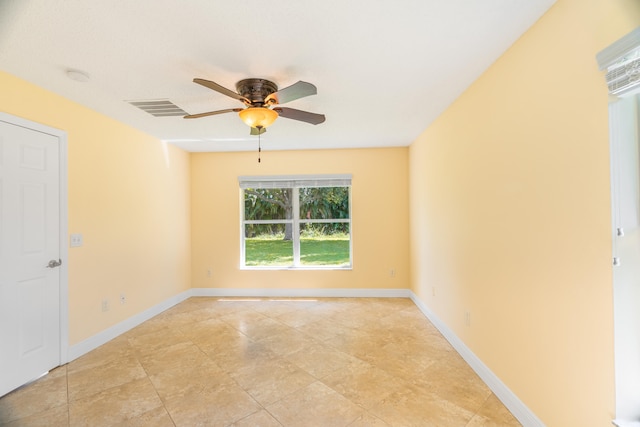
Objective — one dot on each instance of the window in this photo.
(296, 222)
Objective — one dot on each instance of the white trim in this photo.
(502, 392)
(623, 148)
(310, 267)
(612, 53)
(508, 398)
(108, 334)
(63, 195)
(301, 293)
(64, 249)
(278, 181)
(284, 182)
(295, 224)
(623, 423)
(620, 59)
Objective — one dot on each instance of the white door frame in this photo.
(623, 125)
(64, 248)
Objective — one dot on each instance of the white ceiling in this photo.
(384, 69)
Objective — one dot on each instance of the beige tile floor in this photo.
(245, 363)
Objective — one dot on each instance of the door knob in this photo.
(53, 263)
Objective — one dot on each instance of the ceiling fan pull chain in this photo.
(259, 148)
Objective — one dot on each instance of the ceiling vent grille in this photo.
(159, 107)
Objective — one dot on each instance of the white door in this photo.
(625, 178)
(29, 240)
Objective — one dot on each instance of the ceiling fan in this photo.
(262, 99)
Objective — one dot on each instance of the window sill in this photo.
(301, 268)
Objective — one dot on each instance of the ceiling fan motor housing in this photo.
(256, 90)
(261, 94)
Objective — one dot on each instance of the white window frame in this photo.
(295, 182)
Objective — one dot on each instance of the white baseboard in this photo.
(508, 398)
(623, 423)
(107, 335)
(502, 392)
(301, 293)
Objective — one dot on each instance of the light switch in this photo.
(76, 240)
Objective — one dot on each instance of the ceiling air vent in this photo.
(159, 107)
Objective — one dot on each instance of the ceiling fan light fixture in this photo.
(258, 117)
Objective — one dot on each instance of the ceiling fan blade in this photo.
(221, 89)
(213, 113)
(256, 131)
(303, 116)
(290, 93)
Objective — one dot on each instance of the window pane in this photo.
(324, 244)
(324, 202)
(265, 245)
(268, 203)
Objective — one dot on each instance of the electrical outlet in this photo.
(123, 298)
(105, 305)
(208, 272)
(75, 240)
(467, 318)
(433, 291)
(392, 272)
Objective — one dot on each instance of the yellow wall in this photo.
(510, 215)
(128, 196)
(504, 201)
(380, 216)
